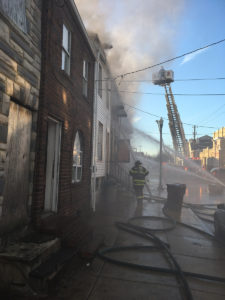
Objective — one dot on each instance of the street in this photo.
(196, 184)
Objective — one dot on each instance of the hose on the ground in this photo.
(102, 253)
(160, 245)
(148, 234)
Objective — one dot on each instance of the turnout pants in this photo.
(139, 191)
(139, 195)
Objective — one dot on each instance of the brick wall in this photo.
(61, 98)
(20, 63)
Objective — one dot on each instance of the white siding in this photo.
(103, 116)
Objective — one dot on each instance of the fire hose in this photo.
(148, 233)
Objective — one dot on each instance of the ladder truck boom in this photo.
(164, 78)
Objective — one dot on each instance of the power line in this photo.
(161, 94)
(206, 119)
(167, 133)
(168, 60)
(215, 117)
(200, 79)
(175, 80)
(153, 115)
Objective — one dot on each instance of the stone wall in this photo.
(20, 65)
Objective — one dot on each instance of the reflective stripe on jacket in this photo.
(138, 173)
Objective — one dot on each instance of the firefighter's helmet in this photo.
(137, 163)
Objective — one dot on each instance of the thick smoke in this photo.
(142, 33)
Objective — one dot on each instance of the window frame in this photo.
(66, 53)
(75, 165)
(100, 142)
(85, 78)
(108, 96)
(100, 80)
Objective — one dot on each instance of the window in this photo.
(66, 41)
(100, 80)
(77, 159)
(85, 78)
(100, 140)
(108, 96)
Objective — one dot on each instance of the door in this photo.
(16, 193)
(52, 165)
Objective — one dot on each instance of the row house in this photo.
(121, 159)
(20, 67)
(197, 145)
(64, 148)
(101, 121)
(111, 127)
(215, 156)
(63, 126)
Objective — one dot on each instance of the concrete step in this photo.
(40, 276)
(19, 259)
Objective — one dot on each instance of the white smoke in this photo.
(142, 32)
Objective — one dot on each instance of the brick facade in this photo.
(61, 98)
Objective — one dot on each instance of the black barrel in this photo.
(175, 194)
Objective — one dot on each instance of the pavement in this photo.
(97, 279)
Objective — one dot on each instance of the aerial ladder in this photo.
(164, 78)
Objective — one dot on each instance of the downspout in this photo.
(94, 134)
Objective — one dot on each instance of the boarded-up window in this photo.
(16, 11)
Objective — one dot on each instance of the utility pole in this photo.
(194, 132)
(160, 124)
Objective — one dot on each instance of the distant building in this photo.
(215, 156)
(196, 146)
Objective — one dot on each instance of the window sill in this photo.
(65, 73)
(77, 183)
(85, 97)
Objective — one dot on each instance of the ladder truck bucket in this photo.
(163, 77)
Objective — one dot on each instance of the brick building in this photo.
(20, 64)
(63, 164)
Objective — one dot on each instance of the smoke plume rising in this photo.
(142, 33)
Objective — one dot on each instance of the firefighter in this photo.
(138, 173)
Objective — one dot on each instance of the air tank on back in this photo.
(162, 77)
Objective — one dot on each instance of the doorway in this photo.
(52, 165)
(16, 193)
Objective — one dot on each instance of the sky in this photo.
(202, 23)
(146, 32)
